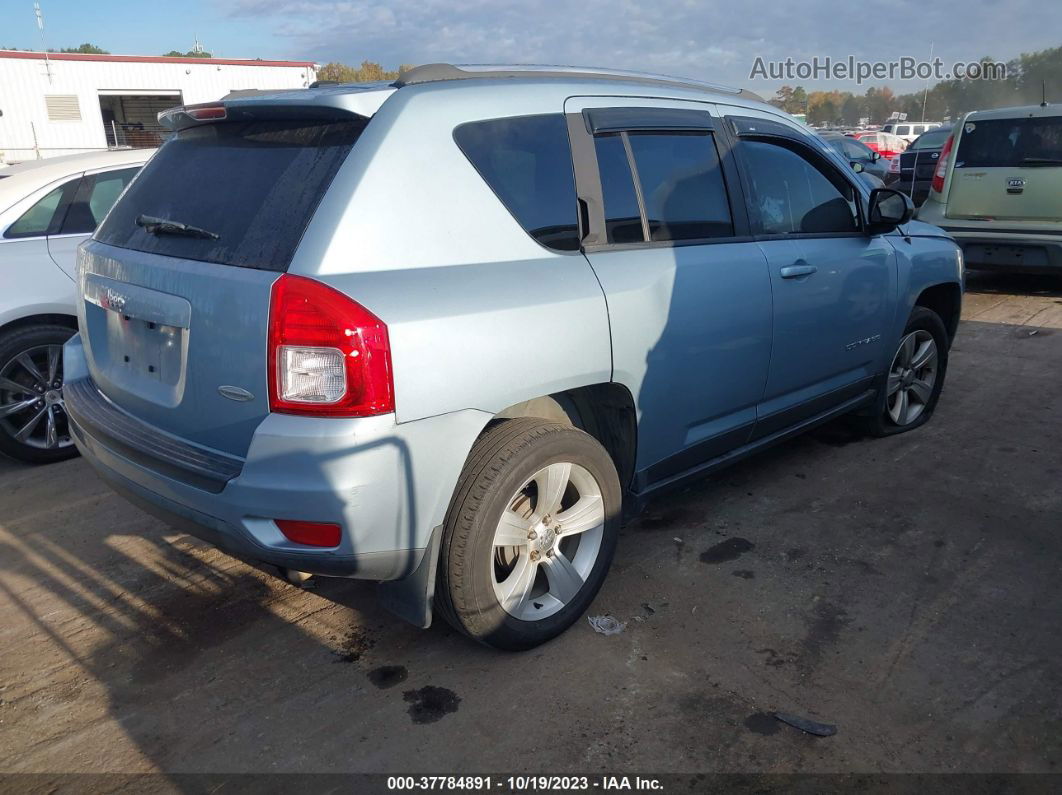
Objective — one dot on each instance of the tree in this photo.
(87, 49)
(368, 72)
(189, 54)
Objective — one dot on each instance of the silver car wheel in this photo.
(547, 541)
(32, 411)
(912, 377)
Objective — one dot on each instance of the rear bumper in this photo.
(386, 484)
(1025, 253)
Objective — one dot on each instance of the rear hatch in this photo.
(1008, 169)
(174, 319)
(920, 159)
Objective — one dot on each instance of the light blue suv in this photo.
(446, 333)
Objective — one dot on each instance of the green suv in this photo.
(997, 189)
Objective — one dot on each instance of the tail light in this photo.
(328, 355)
(942, 166)
(894, 165)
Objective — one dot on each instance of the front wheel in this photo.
(911, 387)
(530, 533)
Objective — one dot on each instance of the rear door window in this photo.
(678, 178)
(253, 184)
(97, 194)
(682, 186)
(46, 215)
(527, 162)
(1010, 143)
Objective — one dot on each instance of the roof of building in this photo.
(77, 56)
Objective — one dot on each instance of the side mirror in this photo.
(857, 167)
(888, 209)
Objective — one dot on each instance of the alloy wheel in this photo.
(32, 411)
(912, 377)
(547, 541)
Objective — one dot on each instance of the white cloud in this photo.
(705, 39)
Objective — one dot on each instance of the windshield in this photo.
(994, 143)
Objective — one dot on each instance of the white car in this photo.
(47, 208)
(909, 130)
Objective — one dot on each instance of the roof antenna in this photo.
(1043, 90)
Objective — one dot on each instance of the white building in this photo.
(71, 102)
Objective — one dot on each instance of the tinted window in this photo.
(527, 162)
(623, 219)
(682, 186)
(253, 184)
(1010, 143)
(857, 151)
(904, 130)
(931, 140)
(97, 194)
(790, 195)
(46, 215)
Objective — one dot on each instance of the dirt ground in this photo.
(906, 590)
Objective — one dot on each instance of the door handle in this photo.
(797, 269)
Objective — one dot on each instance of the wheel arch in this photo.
(40, 319)
(605, 411)
(946, 300)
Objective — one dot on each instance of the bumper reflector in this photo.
(313, 534)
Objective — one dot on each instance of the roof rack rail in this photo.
(437, 72)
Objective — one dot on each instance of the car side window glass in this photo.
(97, 194)
(527, 162)
(46, 215)
(682, 186)
(855, 151)
(623, 218)
(791, 195)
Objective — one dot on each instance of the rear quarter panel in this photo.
(480, 316)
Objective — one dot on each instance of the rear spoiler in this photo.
(242, 107)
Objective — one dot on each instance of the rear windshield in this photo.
(255, 185)
(1010, 143)
(931, 140)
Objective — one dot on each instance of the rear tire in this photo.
(31, 380)
(524, 479)
(909, 390)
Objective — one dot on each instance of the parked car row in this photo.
(909, 131)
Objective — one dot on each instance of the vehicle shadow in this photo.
(107, 605)
(1049, 285)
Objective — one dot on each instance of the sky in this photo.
(713, 40)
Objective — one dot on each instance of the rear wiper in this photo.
(1041, 161)
(160, 226)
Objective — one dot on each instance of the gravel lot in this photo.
(906, 590)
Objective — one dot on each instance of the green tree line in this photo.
(368, 72)
(1027, 77)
